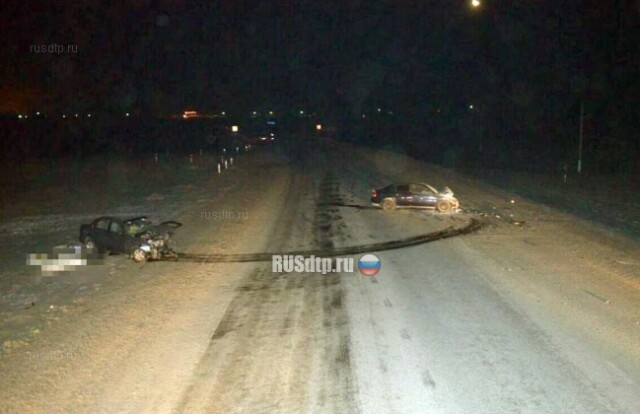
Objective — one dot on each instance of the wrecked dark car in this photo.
(414, 195)
(137, 237)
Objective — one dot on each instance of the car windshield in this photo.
(430, 188)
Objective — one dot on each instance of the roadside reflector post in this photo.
(237, 150)
(219, 170)
(191, 158)
(231, 160)
(156, 157)
(224, 150)
(225, 164)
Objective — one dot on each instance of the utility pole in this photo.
(581, 135)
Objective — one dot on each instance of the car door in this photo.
(423, 196)
(100, 232)
(115, 237)
(404, 197)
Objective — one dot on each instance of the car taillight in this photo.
(374, 193)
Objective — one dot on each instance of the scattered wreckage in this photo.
(137, 237)
(414, 195)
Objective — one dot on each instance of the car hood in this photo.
(166, 228)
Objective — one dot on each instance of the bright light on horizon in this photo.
(475, 3)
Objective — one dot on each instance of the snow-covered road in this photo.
(537, 312)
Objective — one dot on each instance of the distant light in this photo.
(89, 115)
(223, 113)
(234, 128)
(25, 117)
(255, 113)
(64, 116)
(76, 115)
(127, 114)
(379, 109)
(475, 3)
(319, 127)
(190, 114)
(270, 112)
(470, 106)
(364, 115)
(301, 112)
(38, 113)
(19, 116)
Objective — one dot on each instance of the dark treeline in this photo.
(125, 136)
(479, 138)
(527, 68)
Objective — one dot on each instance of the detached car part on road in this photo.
(414, 195)
(137, 237)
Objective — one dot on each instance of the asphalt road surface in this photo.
(536, 312)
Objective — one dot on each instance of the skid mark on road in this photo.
(473, 225)
(280, 333)
(283, 344)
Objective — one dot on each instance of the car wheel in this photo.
(388, 204)
(89, 244)
(443, 206)
(139, 255)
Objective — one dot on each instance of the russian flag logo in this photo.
(369, 264)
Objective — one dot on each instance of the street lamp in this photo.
(475, 3)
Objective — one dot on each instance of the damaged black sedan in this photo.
(414, 195)
(137, 237)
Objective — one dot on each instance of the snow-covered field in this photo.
(537, 312)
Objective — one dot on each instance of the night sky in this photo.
(525, 66)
